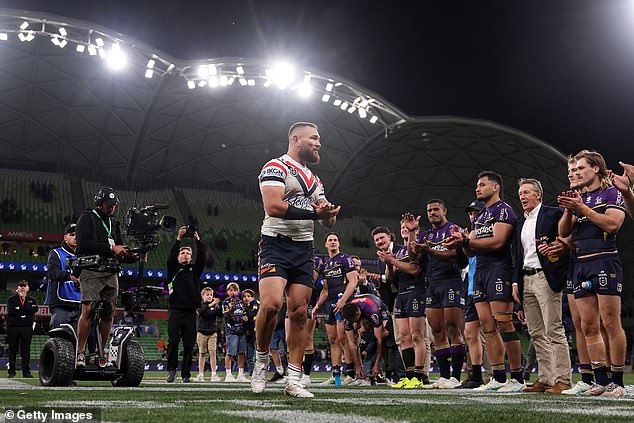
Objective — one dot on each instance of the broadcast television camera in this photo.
(143, 224)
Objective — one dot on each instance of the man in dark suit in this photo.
(540, 275)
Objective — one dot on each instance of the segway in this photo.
(124, 365)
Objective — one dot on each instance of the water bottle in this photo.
(338, 379)
(586, 284)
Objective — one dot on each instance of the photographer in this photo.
(184, 288)
(62, 294)
(98, 233)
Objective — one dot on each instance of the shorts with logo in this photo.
(445, 293)
(291, 260)
(98, 286)
(570, 276)
(493, 284)
(206, 342)
(329, 309)
(604, 271)
(236, 344)
(470, 312)
(410, 304)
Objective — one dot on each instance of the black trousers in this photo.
(19, 337)
(181, 325)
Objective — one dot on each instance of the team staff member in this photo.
(541, 265)
(593, 218)
(98, 233)
(293, 197)
(183, 275)
(62, 294)
(21, 311)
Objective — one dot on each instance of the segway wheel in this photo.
(132, 365)
(57, 362)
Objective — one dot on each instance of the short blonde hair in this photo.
(233, 285)
(206, 289)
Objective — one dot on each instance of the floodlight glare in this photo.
(203, 71)
(223, 80)
(150, 64)
(352, 109)
(149, 73)
(336, 103)
(212, 69)
(191, 85)
(3, 36)
(202, 83)
(99, 42)
(240, 70)
(63, 32)
(344, 106)
(307, 79)
(80, 48)
(243, 82)
(325, 98)
(362, 113)
(304, 90)
(283, 74)
(251, 82)
(267, 83)
(92, 50)
(24, 25)
(231, 80)
(213, 81)
(373, 119)
(116, 58)
(329, 87)
(102, 53)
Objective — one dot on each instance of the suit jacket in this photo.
(555, 272)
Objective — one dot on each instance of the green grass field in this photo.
(156, 401)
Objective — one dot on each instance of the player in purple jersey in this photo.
(625, 184)
(593, 218)
(367, 310)
(340, 283)
(445, 293)
(490, 241)
(409, 312)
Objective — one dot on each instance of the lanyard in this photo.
(171, 283)
(109, 231)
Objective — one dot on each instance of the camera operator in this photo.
(98, 233)
(62, 294)
(184, 290)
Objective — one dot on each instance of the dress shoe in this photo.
(27, 375)
(537, 387)
(171, 376)
(557, 388)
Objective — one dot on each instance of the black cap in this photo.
(106, 195)
(70, 228)
(475, 205)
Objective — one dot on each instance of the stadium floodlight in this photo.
(3, 36)
(28, 36)
(362, 113)
(80, 48)
(352, 109)
(373, 119)
(99, 42)
(61, 43)
(203, 71)
(307, 78)
(283, 74)
(240, 70)
(243, 82)
(63, 32)
(267, 83)
(223, 80)
(102, 53)
(202, 83)
(336, 103)
(213, 81)
(231, 80)
(304, 90)
(325, 98)
(329, 86)
(191, 84)
(149, 73)
(116, 57)
(344, 105)
(92, 50)
(24, 25)
(150, 64)
(364, 103)
(212, 69)
(251, 82)
(55, 40)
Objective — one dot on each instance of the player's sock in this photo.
(409, 357)
(617, 374)
(308, 362)
(457, 359)
(294, 373)
(587, 376)
(442, 355)
(601, 373)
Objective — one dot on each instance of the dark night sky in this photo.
(562, 71)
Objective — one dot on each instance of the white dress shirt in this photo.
(531, 261)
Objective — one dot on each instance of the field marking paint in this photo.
(301, 416)
(168, 404)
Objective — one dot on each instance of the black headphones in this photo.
(105, 193)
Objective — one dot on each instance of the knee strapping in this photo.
(510, 336)
(491, 334)
(503, 317)
(595, 339)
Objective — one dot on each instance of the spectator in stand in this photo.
(21, 311)
(207, 337)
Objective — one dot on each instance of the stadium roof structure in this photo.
(155, 119)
